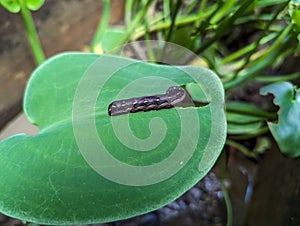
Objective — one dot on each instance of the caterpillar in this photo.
(173, 96)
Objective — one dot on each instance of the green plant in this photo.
(23, 6)
(69, 190)
(213, 31)
(216, 32)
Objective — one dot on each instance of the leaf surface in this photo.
(85, 166)
(287, 130)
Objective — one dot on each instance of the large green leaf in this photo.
(76, 170)
(287, 131)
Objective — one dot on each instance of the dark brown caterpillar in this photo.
(173, 96)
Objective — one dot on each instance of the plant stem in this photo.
(227, 203)
(128, 11)
(282, 43)
(276, 78)
(223, 27)
(246, 49)
(32, 35)
(180, 21)
(174, 14)
(262, 114)
(247, 136)
(224, 189)
(142, 13)
(151, 55)
(101, 26)
(258, 41)
(241, 148)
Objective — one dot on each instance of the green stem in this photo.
(138, 18)
(223, 27)
(174, 14)
(101, 26)
(276, 78)
(258, 41)
(151, 55)
(191, 6)
(128, 11)
(228, 204)
(180, 21)
(282, 43)
(223, 11)
(241, 148)
(167, 10)
(233, 122)
(261, 114)
(247, 136)
(32, 35)
(246, 49)
(224, 189)
(140, 15)
(201, 11)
